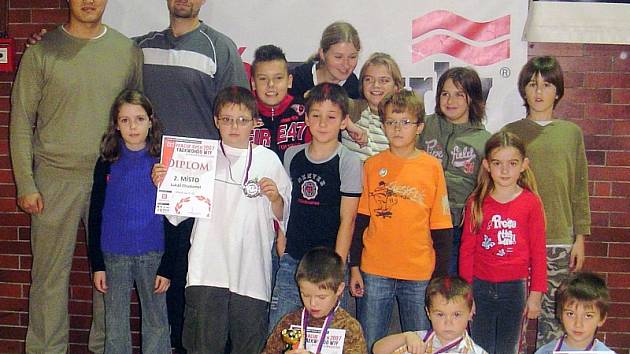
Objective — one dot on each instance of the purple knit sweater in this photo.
(130, 225)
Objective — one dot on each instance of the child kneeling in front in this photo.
(582, 305)
(320, 277)
(449, 305)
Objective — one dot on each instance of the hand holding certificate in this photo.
(188, 186)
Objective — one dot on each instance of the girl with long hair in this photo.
(126, 237)
(503, 245)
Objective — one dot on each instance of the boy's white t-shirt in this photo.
(465, 346)
(232, 249)
(550, 347)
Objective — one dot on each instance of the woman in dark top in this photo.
(334, 62)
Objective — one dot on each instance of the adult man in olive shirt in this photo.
(65, 87)
(185, 66)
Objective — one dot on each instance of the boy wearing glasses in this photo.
(229, 270)
(403, 228)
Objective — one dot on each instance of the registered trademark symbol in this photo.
(505, 72)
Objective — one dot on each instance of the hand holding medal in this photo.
(251, 187)
(268, 188)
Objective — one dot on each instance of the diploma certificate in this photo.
(333, 342)
(188, 186)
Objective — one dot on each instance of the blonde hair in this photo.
(387, 61)
(485, 184)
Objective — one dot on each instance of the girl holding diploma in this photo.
(126, 237)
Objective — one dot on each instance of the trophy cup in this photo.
(292, 338)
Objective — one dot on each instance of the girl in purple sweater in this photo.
(126, 237)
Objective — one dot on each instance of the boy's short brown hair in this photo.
(402, 101)
(549, 68)
(235, 95)
(321, 266)
(449, 287)
(328, 92)
(583, 287)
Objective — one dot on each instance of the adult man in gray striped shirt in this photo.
(185, 66)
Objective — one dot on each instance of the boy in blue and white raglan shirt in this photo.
(326, 179)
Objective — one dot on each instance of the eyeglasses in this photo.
(405, 123)
(239, 121)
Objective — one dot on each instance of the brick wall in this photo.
(597, 98)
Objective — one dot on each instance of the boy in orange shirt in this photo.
(404, 223)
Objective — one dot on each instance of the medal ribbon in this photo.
(587, 349)
(322, 335)
(248, 164)
(428, 338)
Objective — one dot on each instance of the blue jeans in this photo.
(275, 264)
(374, 309)
(121, 272)
(285, 297)
(497, 324)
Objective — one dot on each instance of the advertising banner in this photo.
(424, 37)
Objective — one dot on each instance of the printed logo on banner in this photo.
(451, 37)
(481, 52)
